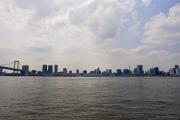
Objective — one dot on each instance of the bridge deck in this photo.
(8, 68)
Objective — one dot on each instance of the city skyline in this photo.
(19, 65)
(90, 33)
(55, 70)
(89, 59)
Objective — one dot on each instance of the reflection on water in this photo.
(89, 98)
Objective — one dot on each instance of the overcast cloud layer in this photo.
(87, 34)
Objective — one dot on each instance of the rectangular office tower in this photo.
(44, 69)
(139, 70)
(177, 70)
(1, 71)
(50, 69)
(64, 71)
(55, 69)
(25, 70)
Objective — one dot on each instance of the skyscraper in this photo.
(25, 70)
(140, 70)
(118, 72)
(50, 69)
(84, 72)
(1, 70)
(44, 69)
(176, 66)
(55, 69)
(172, 72)
(156, 71)
(177, 70)
(77, 71)
(97, 71)
(126, 72)
(64, 71)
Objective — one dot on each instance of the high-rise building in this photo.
(135, 71)
(85, 72)
(77, 71)
(1, 70)
(140, 70)
(70, 72)
(25, 70)
(44, 69)
(156, 71)
(118, 72)
(50, 69)
(33, 73)
(55, 69)
(65, 71)
(127, 72)
(176, 66)
(177, 70)
(153, 71)
(172, 72)
(108, 72)
(97, 71)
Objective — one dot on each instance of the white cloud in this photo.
(74, 33)
(13, 18)
(164, 29)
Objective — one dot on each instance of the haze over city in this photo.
(87, 34)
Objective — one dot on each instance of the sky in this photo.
(87, 34)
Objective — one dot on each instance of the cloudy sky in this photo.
(86, 34)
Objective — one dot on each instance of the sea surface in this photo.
(82, 98)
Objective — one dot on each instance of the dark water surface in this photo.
(29, 98)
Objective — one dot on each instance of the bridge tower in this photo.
(16, 66)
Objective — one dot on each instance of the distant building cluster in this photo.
(53, 70)
(174, 71)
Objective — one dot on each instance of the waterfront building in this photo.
(85, 72)
(1, 70)
(154, 71)
(108, 72)
(65, 71)
(138, 71)
(77, 71)
(91, 72)
(150, 72)
(177, 70)
(97, 71)
(127, 72)
(176, 66)
(25, 70)
(55, 69)
(135, 72)
(50, 69)
(172, 72)
(33, 73)
(118, 72)
(70, 72)
(44, 69)
(39, 73)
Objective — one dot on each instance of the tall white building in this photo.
(177, 70)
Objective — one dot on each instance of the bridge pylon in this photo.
(16, 66)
